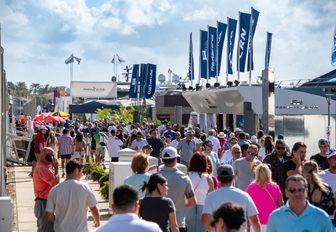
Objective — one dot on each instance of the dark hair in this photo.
(139, 133)
(65, 131)
(232, 215)
(151, 130)
(79, 137)
(241, 135)
(260, 134)
(124, 197)
(72, 133)
(297, 146)
(297, 178)
(198, 163)
(268, 144)
(169, 161)
(244, 147)
(112, 132)
(151, 185)
(71, 166)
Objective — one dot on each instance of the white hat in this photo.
(169, 153)
(232, 135)
(332, 152)
(43, 127)
(237, 130)
(221, 134)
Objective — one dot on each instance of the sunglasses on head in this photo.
(293, 190)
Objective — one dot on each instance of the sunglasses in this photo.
(280, 148)
(293, 190)
(252, 153)
(209, 145)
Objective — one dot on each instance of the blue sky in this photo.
(38, 35)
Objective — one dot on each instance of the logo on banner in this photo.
(231, 41)
(242, 42)
(150, 83)
(212, 53)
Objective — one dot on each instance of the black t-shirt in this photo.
(321, 161)
(157, 209)
(156, 145)
(288, 166)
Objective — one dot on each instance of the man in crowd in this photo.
(139, 142)
(176, 141)
(125, 209)
(186, 147)
(180, 187)
(236, 154)
(155, 143)
(228, 193)
(208, 151)
(298, 214)
(244, 168)
(65, 148)
(168, 132)
(329, 175)
(215, 142)
(321, 157)
(113, 146)
(294, 166)
(276, 160)
(39, 144)
(68, 202)
(228, 153)
(45, 176)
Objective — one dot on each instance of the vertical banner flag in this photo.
(254, 21)
(333, 52)
(143, 68)
(244, 31)
(203, 54)
(268, 49)
(232, 26)
(191, 59)
(221, 30)
(212, 51)
(150, 82)
(134, 82)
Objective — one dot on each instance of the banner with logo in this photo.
(232, 26)
(244, 31)
(212, 51)
(203, 54)
(254, 21)
(133, 92)
(221, 30)
(191, 59)
(150, 81)
(333, 52)
(268, 49)
(143, 71)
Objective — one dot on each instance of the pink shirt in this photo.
(43, 180)
(265, 200)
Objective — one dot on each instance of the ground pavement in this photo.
(24, 201)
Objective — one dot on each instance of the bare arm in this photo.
(49, 216)
(206, 221)
(210, 183)
(95, 215)
(254, 220)
(172, 222)
(280, 201)
(191, 202)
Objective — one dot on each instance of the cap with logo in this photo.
(169, 153)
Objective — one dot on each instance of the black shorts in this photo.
(67, 156)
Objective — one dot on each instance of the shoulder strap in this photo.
(270, 195)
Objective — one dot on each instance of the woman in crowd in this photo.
(156, 207)
(140, 166)
(79, 147)
(209, 170)
(265, 193)
(319, 193)
(267, 146)
(52, 141)
(202, 184)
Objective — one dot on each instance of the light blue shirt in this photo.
(312, 219)
(137, 181)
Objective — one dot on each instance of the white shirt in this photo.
(174, 143)
(215, 142)
(138, 145)
(128, 223)
(111, 128)
(227, 156)
(329, 178)
(70, 200)
(200, 185)
(113, 146)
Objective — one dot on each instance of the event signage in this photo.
(93, 89)
(203, 54)
(212, 51)
(244, 31)
(221, 30)
(232, 26)
(133, 92)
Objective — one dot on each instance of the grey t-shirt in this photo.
(244, 172)
(179, 188)
(186, 149)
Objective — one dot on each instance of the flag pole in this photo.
(117, 67)
(238, 56)
(71, 72)
(227, 53)
(200, 60)
(217, 54)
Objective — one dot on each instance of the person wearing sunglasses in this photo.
(298, 214)
(276, 160)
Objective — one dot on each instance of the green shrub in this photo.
(96, 172)
(104, 191)
(103, 179)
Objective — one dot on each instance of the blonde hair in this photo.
(263, 174)
(210, 166)
(310, 169)
(52, 140)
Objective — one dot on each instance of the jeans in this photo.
(193, 219)
(42, 224)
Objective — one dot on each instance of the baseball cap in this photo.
(43, 127)
(332, 152)
(323, 142)
(169, 153)
(224, 171)
(280, 136)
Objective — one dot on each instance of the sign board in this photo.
(94, 89)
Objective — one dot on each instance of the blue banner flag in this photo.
(143, 71)
(232, 26)
(212, 46)
(133, 92)
(268, 49)
(203, 54)
(191, 59)
(221, 30)
(254, 21)
(333, 52)
(244, 31)
(150, 82)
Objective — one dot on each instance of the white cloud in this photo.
(206, 13)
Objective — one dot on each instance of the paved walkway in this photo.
(25, 201)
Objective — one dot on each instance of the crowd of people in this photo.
(234, 181)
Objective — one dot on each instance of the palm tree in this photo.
(21, 89)
(34, 88)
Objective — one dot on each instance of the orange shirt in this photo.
(43, 179)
